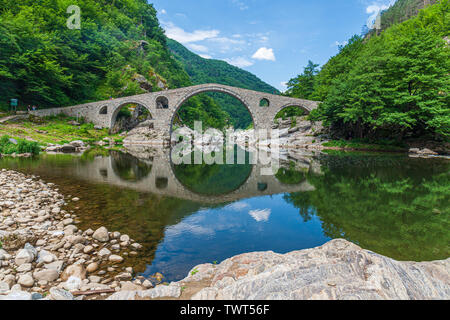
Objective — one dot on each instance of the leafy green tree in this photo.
(392, 205)
(303, 85)
(394, 85)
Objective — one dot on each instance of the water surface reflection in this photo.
(186, 215)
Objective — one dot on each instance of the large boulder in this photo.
(17, 295)
(26, 280)
(338, 270)
(77, 144)
(60, 294)
(68, 148)
(72, 284)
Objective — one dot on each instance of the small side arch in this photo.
(291, 105)
(122, 104)
(264, 102)
(288, 111)
(103, 110)
(162, 102)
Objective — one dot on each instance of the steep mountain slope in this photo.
(402, 10)
(216, 71)
(44, 62)
(202, 70)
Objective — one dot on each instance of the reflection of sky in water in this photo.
(257, 224)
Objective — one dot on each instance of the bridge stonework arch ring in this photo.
(173, 99)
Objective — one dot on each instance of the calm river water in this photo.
(186, 215)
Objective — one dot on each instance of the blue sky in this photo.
(272, 39)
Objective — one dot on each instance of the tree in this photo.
(304, 84)
(394, 85)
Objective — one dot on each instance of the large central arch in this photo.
(206, 89)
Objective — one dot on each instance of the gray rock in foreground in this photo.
(337, 270)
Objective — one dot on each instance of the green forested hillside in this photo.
(202, 70)
(44, 63)
(402, 10)
(394, 85)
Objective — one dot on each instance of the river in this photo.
(185, 215)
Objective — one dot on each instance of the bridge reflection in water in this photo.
(147, 169)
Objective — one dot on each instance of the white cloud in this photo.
(183, 36)
(226, 45)
(240, 4)
(197, 47)
(239, 62)
(205, 56)
(163, 11)
(375, 8)
(264, 54)
(260, 215)
(238, 206)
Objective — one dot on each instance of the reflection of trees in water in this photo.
(213, 179)
(129, 168)
(290, 175)
(401, 210)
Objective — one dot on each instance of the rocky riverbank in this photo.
(293, 133)
(43, 255)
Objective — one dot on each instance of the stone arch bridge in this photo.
(163, 106)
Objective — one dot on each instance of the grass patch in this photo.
(56, 130)
(9, 146)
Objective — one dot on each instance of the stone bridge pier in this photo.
(163, 106)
